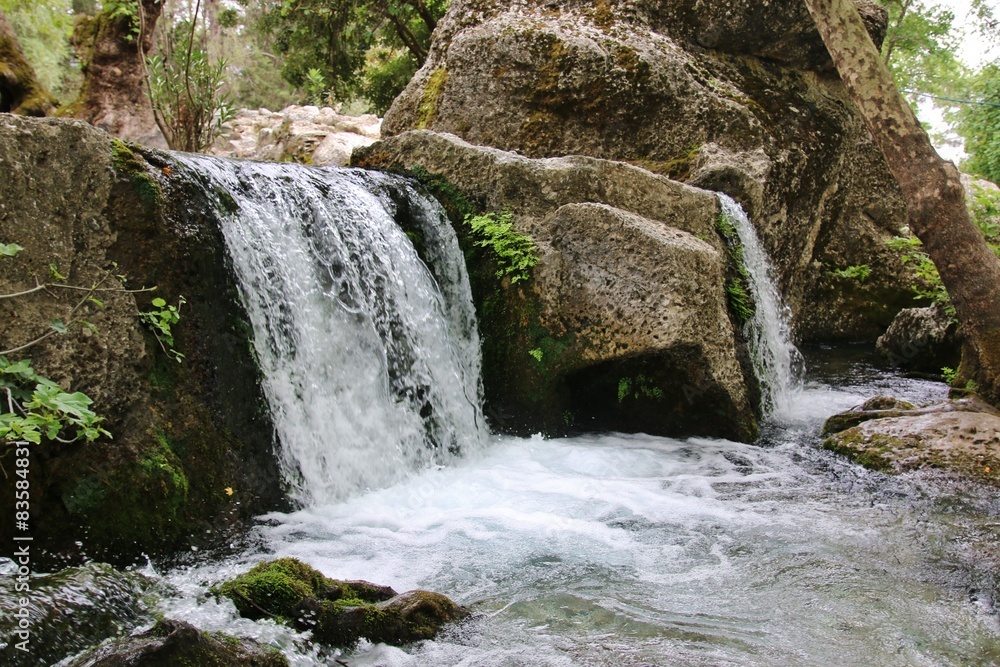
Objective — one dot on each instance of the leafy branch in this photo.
(160, 320)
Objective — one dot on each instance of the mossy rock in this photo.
(338, 613)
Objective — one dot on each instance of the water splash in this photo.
(370, 358)
(776, 360)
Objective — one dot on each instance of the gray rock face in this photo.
(959, 438)
(624, 323)
(922, 339)
(735, 96)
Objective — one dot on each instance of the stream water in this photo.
(598, 550)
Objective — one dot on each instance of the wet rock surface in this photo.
(958, 437)
(172, 643)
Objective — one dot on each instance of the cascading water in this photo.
(776, 360)
(370, 358)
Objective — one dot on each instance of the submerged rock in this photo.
(338, 613)
(69, 611)
(735, 96)
(178, 644)
(959, 437)
(624, 322)
(922, 339)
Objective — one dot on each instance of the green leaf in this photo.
(55, 272)
(159, 303)
(9, 249)
(58, 326)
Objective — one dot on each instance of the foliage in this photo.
(43, 28)
(186, 90)
(929, 284)
(347, 42)
(740, 302)
(640, 386)
(537, 354)
(160, 320)
(516, 253)
(984, 209)
(38, 407)
(859, 272)
(386, 73)
(920, 47)
(949, 374)
(979, 124)
(126, 10)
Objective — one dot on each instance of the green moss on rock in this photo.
(338, 613)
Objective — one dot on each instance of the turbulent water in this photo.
(768, 333)
(370, 356)
(590, 551)
(636, 550)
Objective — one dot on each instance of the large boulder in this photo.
(624, 322)
(958, 438)
(192, 447)
(922, 339)
(734, 96)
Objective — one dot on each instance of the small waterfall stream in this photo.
(769, 334)
(370, 358)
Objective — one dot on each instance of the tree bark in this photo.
(114, 95)
(20, 91)
(934, 195)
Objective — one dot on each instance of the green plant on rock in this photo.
(159, 320)
(741, 304)
(858, 272)
(929, 286)
(638, 387)
(516, 253)
(949, 374)
(39, 408)
(36, 407)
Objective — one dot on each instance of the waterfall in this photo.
(370, 357)
(776, 360)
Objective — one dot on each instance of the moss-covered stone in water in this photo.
(275, 588)
(338, 613)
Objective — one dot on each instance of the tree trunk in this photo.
(20, 91)
(934, 195)
(114, 95)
